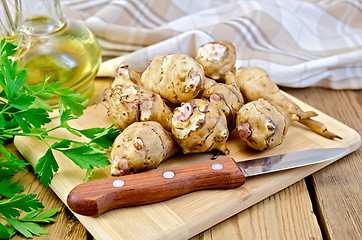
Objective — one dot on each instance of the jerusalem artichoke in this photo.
(200, 126)
(141, 146)
(133, 103)
(255, 83)
(263, 124)
(217, 58)
(176, 77)
(227, 97)
(125, 76)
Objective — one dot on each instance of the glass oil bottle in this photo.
(55, 47)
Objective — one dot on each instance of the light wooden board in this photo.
(184, 217)
(285, 215)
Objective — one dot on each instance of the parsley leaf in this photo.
(9, 189)
(6, 232)
(26, 228)
(72, 100)
(45, 217)
(101, 136)
(22, 101)
(23, 112)
(29, 224)
(32, 117)
(10, 208)
(86, 156)
(9, 164)
(46, 166)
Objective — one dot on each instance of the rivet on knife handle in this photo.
(96, 197)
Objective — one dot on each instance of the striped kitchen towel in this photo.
(299, 43)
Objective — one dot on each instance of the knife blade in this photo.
(99, 196)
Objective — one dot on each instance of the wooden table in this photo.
(325, 205)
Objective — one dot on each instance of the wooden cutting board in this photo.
(188, 215)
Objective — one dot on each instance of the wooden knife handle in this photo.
(96, 197)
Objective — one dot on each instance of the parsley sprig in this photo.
(23, 112)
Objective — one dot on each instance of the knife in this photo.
(99, 196)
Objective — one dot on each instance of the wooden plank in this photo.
(338, 187)
(285, 215)
(188, 215)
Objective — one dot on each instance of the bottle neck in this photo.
(35, 17)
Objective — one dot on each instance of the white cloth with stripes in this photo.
(299, 43)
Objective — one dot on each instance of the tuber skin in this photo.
(141, 146)
(255, 83)
(263, 124)
(125, 76)
(176, 77)
(200, 126)
(133, 103)
(226, 96)
(217, 58)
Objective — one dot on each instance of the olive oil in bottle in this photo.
(59, 49)
(71, 56)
